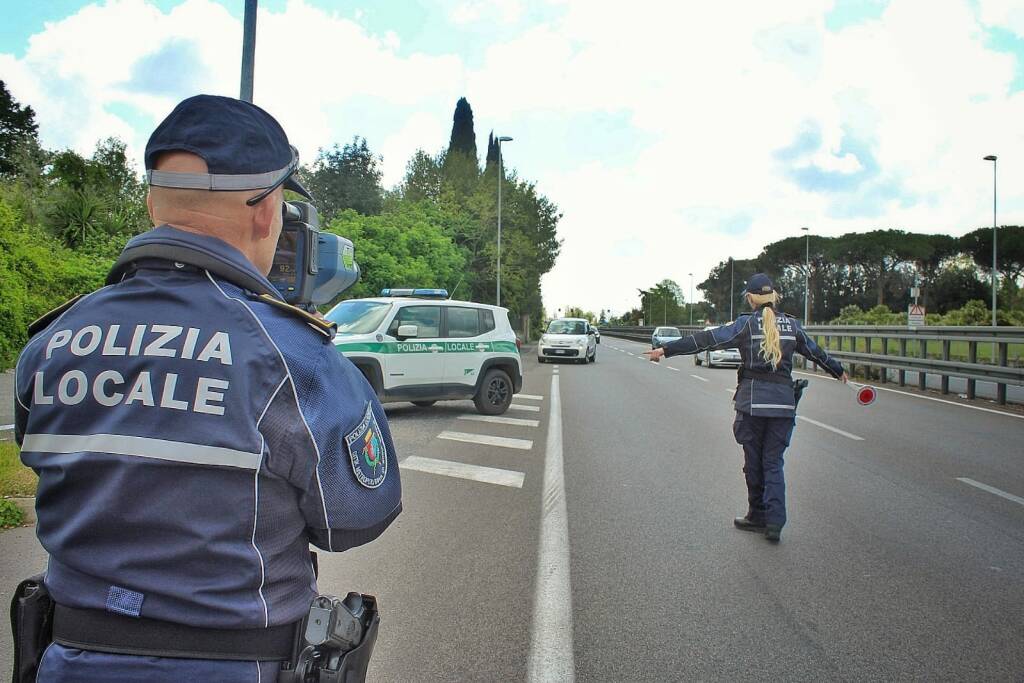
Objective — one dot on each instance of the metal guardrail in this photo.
(845, 341)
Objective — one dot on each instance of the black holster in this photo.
(32, 627)
(318, 664)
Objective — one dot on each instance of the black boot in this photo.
(748, 524)
(773, 532)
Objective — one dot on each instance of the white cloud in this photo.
(906, 105)
(1008, 14)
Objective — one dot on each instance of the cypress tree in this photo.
(463, 137)
(492, 153)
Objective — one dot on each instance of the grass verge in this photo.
(15, 479)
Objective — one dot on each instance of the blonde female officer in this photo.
(764, 398)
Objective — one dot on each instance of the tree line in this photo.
(65, 217)
(878, 269)
(860, 279)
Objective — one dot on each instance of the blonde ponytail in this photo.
(771, 348)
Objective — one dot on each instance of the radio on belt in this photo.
(311, 267)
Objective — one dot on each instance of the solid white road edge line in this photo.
(497, 419)
(551, 643)
(487, 440)
(702, 379)
(926, 398)
(460, 470)
(672, 368)
(530, 397)
(992, 489)
(848, 435)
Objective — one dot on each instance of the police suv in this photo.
(417, 345)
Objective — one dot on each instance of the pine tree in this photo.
(461, 168)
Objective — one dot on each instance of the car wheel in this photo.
(424, 404)
(696, 360)
(593, 358)
(495, 394)
(708, 359)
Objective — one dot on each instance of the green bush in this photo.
(10, 514)
(37, 274)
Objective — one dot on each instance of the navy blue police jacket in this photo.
(761, 398)
(191, 440)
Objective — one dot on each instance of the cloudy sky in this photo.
(671, 134)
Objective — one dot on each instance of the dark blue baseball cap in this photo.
(243, 146)
(759, 283)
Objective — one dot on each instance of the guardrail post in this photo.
(972, 357)
(903, 354)
(922, 376)
(945, 356)
(1000, 387)
(884, 374)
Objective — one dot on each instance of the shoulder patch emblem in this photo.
(367, 451)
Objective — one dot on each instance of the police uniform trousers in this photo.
(764, 441)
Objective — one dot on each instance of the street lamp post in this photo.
(501, 172)
(691, 299)
(992, 158)
(248, 50)
(807, 277)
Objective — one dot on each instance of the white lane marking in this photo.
(848, 435)
(729, 391)
(673, 369)
(551, 648)
(497, 419)
(556, 366)
(992, 489)
(702, 379)
(528, 409)
(632, 354)
(487, 475)
(487, 440)
(530, 397)
(4, 428)
(927, 398)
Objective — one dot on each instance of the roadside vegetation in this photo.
(65, 217)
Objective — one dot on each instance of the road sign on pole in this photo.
(915, 315)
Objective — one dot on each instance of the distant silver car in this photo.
(663, 335)
(722, 357)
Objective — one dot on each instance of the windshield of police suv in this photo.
(358, 317)
(667, 332)
(567, 327)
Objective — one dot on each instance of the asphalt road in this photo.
(890, 568)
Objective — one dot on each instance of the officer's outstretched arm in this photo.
(806, 347)
(336, 449)
(718, 338)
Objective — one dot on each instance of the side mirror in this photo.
(408, 332)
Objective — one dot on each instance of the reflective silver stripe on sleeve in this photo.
(772, 405)
(140, 446)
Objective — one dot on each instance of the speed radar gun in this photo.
(311, 267)
(337, 639)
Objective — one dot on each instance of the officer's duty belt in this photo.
(99, 631)
(778, 378)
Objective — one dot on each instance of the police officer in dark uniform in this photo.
(192, 432)
(765, 397)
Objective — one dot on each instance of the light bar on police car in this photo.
(419, 293)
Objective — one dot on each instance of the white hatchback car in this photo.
(569, 339)
(724, 357)
(419, 346)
